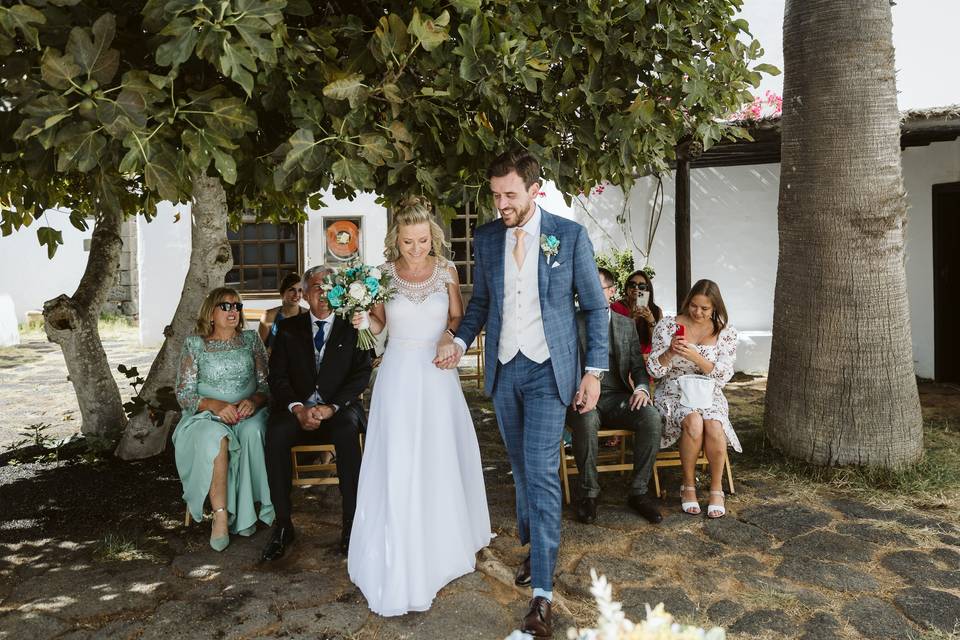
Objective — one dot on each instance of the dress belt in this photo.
(410, 343)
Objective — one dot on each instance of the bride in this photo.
(421, 507)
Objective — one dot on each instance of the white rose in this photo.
(357, 291)
(374, 273)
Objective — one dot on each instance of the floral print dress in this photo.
(666, 397)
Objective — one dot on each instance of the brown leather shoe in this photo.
(523, 573)
(539, 620)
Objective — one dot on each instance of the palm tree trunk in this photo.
(210, 260)
(71, 322)
(842, 388)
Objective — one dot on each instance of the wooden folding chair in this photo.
(672, 459)
(607, 461)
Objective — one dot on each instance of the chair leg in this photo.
(186, 518)
(726, 463)
(563, 473)
(656, 478)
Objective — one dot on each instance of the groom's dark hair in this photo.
(518, 160)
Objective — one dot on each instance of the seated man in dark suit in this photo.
(317, 375)
(624, 404)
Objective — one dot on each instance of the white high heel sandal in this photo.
(690, 508)
(718, 509)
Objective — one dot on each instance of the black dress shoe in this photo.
(645, 508)
(282, 538)
(587, 510)
(523, 573)
(539, 619)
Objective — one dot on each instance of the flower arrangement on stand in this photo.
(359, 287)
(612, 623)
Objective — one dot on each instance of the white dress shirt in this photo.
(327, 326)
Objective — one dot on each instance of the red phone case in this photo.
(679, 330)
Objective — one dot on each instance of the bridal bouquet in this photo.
(359, 287)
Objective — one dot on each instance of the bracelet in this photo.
(450, 332)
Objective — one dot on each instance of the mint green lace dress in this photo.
(228, 370)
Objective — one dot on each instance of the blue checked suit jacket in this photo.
(571, 271)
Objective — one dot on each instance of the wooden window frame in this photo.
(239, 241)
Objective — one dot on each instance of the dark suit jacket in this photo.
(625, 356)
(343, 375)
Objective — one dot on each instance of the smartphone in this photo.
(643, 298)
(679, 330)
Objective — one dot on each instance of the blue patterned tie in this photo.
(318, 339)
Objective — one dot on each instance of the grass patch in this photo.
(117, 547)
(931, 483)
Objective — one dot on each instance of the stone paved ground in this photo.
(793, 559)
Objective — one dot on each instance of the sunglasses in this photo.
(228, 306)
(637, 285)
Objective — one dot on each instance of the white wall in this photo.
(28, 277)
(373, 227)
(924, 167)
(163, 257)
(733, 217)
(734, 241)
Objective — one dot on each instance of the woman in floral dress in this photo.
(706, 346)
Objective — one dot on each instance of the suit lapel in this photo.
(498, 249)
(547, 228)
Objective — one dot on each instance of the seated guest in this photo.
(638, 304)
(222, 387)
(706, 346)
(290, 293)
(317, 374)
(624, 404)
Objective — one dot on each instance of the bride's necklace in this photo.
(419, 276)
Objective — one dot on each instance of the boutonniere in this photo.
(550, 246)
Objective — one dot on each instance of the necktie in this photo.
(519, 251)
(318, 339)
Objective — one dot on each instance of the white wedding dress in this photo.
(422, 506)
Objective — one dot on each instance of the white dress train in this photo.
(422, 506)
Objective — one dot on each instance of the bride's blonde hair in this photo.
(414, 210)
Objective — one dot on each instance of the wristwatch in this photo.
(596, 374)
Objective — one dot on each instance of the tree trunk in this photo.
(210, 260)
(71, 322)
(842, 388)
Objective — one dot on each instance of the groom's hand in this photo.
(587, 394)
(451, 360)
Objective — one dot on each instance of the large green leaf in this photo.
(354, 173)
(431, 33)
(58, 70)
(345, 88)
(24, 19)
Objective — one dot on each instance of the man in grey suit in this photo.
(528, 266)
(624, 404)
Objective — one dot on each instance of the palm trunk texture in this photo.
(210, 260)
(71, 322)
(841, 388)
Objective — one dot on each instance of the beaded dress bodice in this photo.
(419, 310)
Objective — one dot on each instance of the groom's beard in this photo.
(520, 221)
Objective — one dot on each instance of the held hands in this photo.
(446, 350)
(448, 354)
(228, 413)
(587, 394)
(246, 408)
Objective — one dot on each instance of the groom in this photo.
(529, 266)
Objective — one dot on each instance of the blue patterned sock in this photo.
(540, 593)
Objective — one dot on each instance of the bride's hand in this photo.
(360, 320)
(448, 355)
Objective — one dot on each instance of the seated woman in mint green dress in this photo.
(222, 387)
